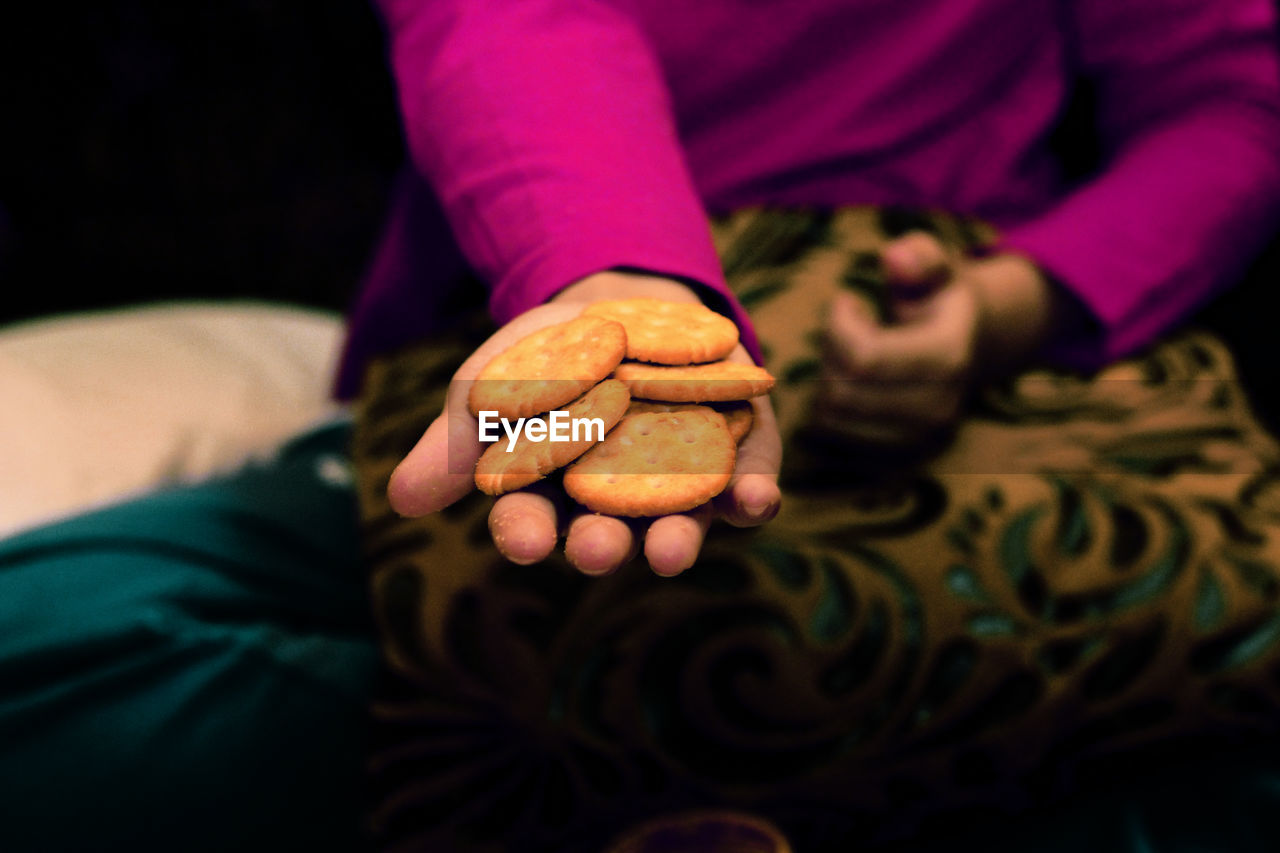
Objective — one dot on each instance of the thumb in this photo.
(440, 469)
(915, 264)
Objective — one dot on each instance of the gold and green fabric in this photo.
(1087, 566)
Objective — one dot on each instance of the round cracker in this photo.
(655, 463)
(548, 368)
(670, 332)
(720, 381)
(739, 416)
(500, 471)
(641, 407)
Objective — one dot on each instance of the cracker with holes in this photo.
(720, 381)
(738, 415)
(501, 470)
(655, 463)
(549, 368)
(670, 332)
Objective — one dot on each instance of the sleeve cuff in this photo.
(538, 281)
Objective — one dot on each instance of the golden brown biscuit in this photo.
(548, 368)
(501, 470)
(738, 415)
(670, 332)
(720, 381)
(655, 463)
(640, 407)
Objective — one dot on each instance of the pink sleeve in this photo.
(1189, 113)
(545, 128)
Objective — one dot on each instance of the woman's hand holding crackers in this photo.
(954, 320)
(526, 524)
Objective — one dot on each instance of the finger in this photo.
(523, 526)
(752, 496)
(672, 542)
(438, 470)
(917, 261)
(599, 544)
(750, 500)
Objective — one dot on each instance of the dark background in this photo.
(152, 149)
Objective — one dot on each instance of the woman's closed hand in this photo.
(953, 320)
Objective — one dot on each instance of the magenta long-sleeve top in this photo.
(551, 139)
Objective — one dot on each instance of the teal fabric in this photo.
(190, 670)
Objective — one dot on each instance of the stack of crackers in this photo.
(656, 374)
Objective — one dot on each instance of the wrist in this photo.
(1016, 310)
(616, 284)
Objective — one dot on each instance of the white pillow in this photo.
(99, 405)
